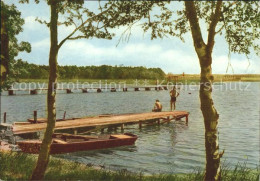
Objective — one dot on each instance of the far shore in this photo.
(186, 79)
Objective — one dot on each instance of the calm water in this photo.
(170, 148)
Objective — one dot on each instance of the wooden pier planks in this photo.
(99, 121)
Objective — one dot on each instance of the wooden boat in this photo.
(66, 143)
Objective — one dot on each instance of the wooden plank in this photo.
(59, 141)
(99, 121)
(121, 136)
(39, 120)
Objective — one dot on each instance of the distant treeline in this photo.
(25, 70)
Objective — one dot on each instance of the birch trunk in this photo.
(210, 116)
(43, 159)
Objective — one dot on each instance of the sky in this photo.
(170, 54)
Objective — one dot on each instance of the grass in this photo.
(19, 166)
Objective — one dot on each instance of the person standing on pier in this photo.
(157, 106)
(174, 94)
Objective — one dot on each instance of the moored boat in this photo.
(66, 143)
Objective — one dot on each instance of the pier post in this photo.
(140, 124)
(158, 122)
(168, 119)
(122, 127)
(4, 117)
(165, 87)
(84, 91)
(147, 88)
(99, 90)
(64, 115)
(33, 92)
(35, 116)
(113, 89)
(136, 88)
(158, 88)
(10, 92)
(68, 91)
(187, 119)
(125, 89)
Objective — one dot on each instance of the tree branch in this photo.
(127, 37)
(213, 24)
(74, 24)
(79, 15)
(229, 46)
(73, 32)
(77, 37)
(194, 24)
(220, 28)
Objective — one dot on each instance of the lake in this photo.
(169, 148)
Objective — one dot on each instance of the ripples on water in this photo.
(170, 148)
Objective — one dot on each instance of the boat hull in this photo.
(59, 148)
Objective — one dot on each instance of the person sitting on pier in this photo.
(174, 94)
(157, 106)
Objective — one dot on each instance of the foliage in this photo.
(13, 23)
(239, 21)
(32, 71)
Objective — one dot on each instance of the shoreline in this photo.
(148, 81)
(19, 166)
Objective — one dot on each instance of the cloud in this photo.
(30, 23)
(141, 54)
(174, 60)
(134, 54)
(45, 43)
(244, 66)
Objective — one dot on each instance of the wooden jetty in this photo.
(35, 91)
(105, 121)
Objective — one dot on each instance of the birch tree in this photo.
(87, 24)
(237, 21)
